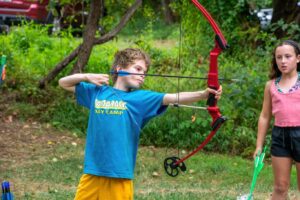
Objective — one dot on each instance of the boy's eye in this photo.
(139, 69)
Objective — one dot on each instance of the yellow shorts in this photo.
(103, 188)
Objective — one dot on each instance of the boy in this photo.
(117, 115)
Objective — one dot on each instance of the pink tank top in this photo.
(285, 107)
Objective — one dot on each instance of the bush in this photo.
(32, 53)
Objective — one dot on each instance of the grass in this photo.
(209, 176)
(50, 164)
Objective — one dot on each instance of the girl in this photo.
(282, 100)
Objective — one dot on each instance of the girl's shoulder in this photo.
(270, 86)
(269, 83)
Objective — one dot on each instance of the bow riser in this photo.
(213, 79)
(214, 113)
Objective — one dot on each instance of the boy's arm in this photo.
(69, 82)
(190, 97)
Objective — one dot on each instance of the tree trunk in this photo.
(168, 14)
(88, 37)
(110, 35)
(288, 11)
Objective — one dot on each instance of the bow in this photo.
(173, 164)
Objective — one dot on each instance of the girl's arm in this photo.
(190, 97)
(264, 119)
(69, 82)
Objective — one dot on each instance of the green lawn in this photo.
(44, 163)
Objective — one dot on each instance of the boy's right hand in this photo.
(98, 79)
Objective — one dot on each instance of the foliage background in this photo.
(181, 48)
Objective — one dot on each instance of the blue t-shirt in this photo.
(115, 121)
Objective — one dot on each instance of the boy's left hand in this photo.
(217, 93)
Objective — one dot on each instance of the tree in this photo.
(288, 11)
(88, 36)
(83, 50)
(168, 14)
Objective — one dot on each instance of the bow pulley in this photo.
(171, 166)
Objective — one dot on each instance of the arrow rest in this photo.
(171, 166)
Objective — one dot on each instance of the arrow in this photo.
(125, 73)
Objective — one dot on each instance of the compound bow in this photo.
(173, 164)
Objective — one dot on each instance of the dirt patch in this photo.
(23, 142)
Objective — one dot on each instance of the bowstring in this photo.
(179, 63)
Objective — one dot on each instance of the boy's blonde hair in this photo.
(126, 57)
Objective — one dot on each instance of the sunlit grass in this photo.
(208, 176)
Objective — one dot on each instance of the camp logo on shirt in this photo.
(113, 107)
